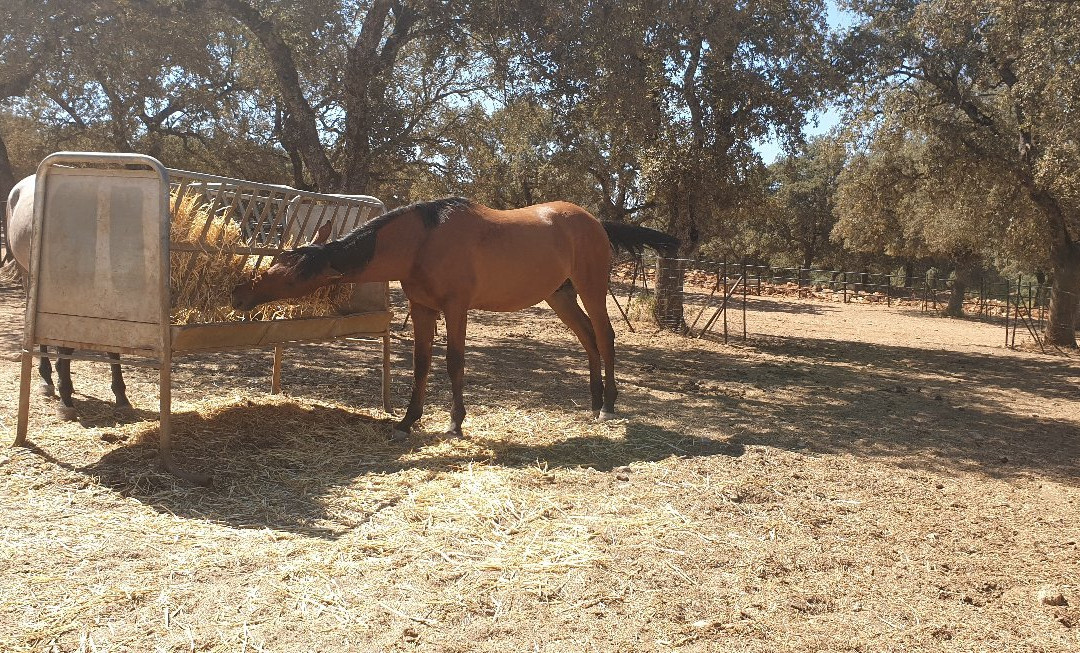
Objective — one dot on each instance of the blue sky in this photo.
(825, 120)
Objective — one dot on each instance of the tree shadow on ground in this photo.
(934, 408)
(763, 305)
(913, 406)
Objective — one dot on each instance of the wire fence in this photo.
(711, 295)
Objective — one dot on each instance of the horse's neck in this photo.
(392, 250)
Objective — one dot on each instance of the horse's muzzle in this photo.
(243, 299)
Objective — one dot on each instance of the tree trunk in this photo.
(1064, 296)
(670, 273)
(7, 182)
(961, 281)
(1065, 262)
(807, 264)
(300, 116)
(7, 174)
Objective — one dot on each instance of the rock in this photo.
(1051, 596)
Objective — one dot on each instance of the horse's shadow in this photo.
(285, 465)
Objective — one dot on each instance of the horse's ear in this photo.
(322, 234)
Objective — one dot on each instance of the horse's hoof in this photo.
(452, 434)
(397, 435)
(606, 415)
(122, 403)
(66, 413)
(47, 390)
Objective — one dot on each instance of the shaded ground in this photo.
(850, 478)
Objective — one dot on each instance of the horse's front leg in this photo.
(119, 388)
(66, 409)
(45, 371)
(423, 334)
(456, 320)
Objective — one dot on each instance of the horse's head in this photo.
(293, 273)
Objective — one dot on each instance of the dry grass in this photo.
(844, 489)
(200, 281)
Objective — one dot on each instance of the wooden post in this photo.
(24, 398)
(725, 301)
(386, 374)
(1030, 304)
(1012, 342)
(1008, 310)
(275, 378)
(744, 301)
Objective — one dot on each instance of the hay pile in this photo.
(200, 281)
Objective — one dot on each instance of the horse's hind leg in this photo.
(66, 409)
(423, 334)
(592, 286)
(564, 303)
(119, 388)
(45, 371)
(456, 320)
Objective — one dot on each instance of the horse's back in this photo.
(519, 257)
(558, 230)
(558, 224)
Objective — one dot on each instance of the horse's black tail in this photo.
(633, 239)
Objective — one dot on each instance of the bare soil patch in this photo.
(851, 478)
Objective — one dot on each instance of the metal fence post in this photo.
(724, 268)
(744, 278)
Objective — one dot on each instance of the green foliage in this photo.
(971, 122)
(966, 152)
(795, 225)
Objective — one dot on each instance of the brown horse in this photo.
(453, 255)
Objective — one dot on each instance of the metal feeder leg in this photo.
(24, 399)
(165, 420)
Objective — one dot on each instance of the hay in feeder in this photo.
(211, 260)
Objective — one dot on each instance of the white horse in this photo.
(19, 225)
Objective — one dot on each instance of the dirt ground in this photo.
(850, 478)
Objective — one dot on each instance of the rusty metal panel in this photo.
(312, 329)
(96, 333)
(202, 337)
(217, 335)
(101, 238)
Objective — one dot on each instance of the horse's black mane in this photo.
(355, 250)
(433, 213)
